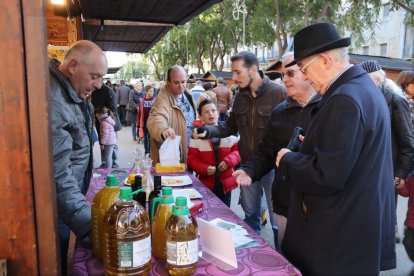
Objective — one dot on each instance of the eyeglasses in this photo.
(289, 73)
(303, 68)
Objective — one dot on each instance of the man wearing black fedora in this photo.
(341, 214)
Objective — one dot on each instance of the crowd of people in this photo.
(332, 201)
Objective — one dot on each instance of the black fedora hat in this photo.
(317, 38)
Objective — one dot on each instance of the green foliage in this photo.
(133, 69)
(216, 33)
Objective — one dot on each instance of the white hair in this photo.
(390, 85)
(340, 54)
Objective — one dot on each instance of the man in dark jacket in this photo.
(341, 213)
(249, 116)
(294, 112)
(105, 96)
(401, 126)
(70, 84)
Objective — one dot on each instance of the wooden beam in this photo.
(97, 22)
(40, 139)
(17, 228)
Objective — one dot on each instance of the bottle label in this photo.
(134, 254)
(182, 253)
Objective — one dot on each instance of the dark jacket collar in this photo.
(350, 73)
(291, 103)
(63, 80)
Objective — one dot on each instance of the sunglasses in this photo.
(289, 73)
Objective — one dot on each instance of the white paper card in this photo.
(218, 243)
(170, 152)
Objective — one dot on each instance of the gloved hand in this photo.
(202, 133)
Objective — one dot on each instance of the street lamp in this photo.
(187, 27)
(240, 8)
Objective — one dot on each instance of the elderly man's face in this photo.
(87, 76)
(293, 79)
(313, 72)
(177, 82)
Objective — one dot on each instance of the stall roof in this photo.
(213, 75)
(387, 63)
(133, 25)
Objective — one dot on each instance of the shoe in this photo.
(134, 139)
(115, 166)
(397, 235)
(102, 166)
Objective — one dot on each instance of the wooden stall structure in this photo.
(28, 228)
(28, 240)
(194, 77)
(391, 66)
(212, 76)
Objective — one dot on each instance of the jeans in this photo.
(115, 155)
(147, 139)
(109, 150)
(64, 236)
(122, 114)
(134, 130)
(218, 191)
(251, 197)
(281, 224)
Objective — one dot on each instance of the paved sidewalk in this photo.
(127, 146)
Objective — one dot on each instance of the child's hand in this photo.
(399, 183)
(223, 166)
(211, 170)
(102, 147)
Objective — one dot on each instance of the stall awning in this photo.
(133, 25)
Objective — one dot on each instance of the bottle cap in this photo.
(166, 191)
(125, 193)
(181, 201)
(111, 180)
(180, 207)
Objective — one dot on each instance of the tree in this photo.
(133, 69)
(217, 33)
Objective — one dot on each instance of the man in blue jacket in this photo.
(341, 213)
(71, 83)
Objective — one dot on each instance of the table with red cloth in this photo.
(259, 260)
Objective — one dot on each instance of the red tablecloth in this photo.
(260, 260)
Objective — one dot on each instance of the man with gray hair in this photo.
(294, 112)
(224, 96)
(71, 84)
(401, 127)
(341, 211)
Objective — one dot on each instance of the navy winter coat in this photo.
(342, 215)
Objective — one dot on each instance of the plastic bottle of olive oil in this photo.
(100, 205)
(127, 249)
(181, 240)
(163, 213)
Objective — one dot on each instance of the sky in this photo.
(116, 59)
